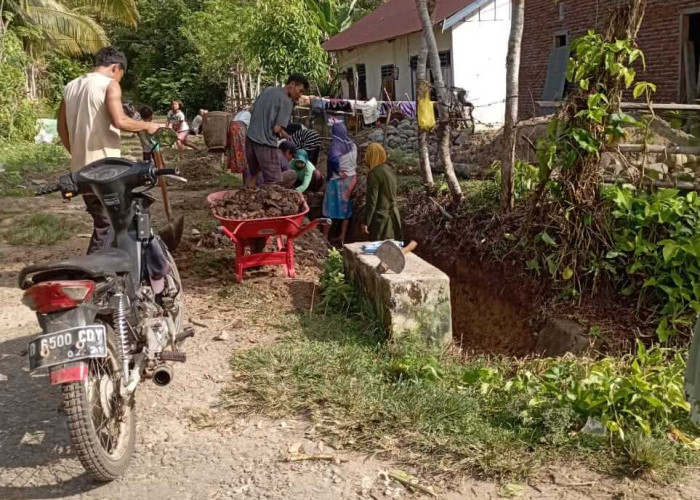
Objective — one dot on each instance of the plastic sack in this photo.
(426, 114)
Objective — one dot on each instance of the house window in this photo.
(388, 90)
(690, 58)
(446, 67)
(361, 82)
(350, 78)
(561, 39)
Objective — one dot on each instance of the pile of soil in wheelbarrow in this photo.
(259, 203)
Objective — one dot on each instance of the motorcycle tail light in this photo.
(68, 373)
(52, 296)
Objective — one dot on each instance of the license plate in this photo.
(67, 346)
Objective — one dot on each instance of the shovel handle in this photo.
(160, 164)
(410, 247)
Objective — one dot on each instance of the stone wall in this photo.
(415, 301)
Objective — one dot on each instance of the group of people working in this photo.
(264, 146)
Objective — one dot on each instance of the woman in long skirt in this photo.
(342, 178)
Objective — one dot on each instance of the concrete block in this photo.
(417, 300)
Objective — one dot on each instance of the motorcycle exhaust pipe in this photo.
(163, 375)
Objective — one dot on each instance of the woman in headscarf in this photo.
(305, 178)
(235, 143)
(342, 178)
(306, 139)
(382, 219)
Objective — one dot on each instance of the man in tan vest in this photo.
(89, 120)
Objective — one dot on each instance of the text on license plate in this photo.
(68, 345)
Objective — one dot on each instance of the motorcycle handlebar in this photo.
(167, 171)
(47, 189)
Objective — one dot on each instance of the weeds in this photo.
(41, 229)
(656, 250)
(24, 161)
(427, 406)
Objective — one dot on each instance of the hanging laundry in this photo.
(370, 110)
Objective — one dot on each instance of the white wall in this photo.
(398, 52)
(480, 48)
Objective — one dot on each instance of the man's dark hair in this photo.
(299, 79)
(146, 112)
(107, 56)
(288, 147)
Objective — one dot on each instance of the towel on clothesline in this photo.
(370, 110)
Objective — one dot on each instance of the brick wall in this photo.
(659, 38)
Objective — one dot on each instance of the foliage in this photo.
(218, 33)
(60, 70)
(163, 62)
(634, 393)
(41, 229)
(656, 251)
(24, 161)
(573, 225)
(72, 26)
(493, 416)
(338, 294)
(331, 16)
(286, 40)
(17, 114)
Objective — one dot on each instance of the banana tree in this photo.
(332, 16)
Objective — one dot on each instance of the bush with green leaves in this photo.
(17, 113)
(656, 252)
(338, 294)
(643, 392)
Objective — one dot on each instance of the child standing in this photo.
(177, 122)
(146, 113)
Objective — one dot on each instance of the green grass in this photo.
(41, 229)
(418, 404)
(26, 161)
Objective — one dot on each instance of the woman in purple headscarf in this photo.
(342, 178)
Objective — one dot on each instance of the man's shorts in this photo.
(263, 159)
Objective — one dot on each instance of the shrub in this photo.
(656, 251)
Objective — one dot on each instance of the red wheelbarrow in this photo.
(243, 232)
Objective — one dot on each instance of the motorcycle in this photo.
(110, 319)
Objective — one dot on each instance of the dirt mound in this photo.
(259, 202)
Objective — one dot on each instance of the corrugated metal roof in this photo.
(391, 20)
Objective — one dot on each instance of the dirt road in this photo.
(178, 455)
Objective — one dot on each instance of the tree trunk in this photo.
(423, 87)
(511, 118)
(443, 111)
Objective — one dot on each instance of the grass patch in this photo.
(422, 406)
(41, 229)
(228, 180)
(427, 406)
(25, 161)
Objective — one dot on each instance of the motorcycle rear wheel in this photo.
(102, 426)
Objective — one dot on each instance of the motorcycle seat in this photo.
(101, 264)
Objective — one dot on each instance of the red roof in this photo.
(391, 20)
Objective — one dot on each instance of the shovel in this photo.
(172, 233)
(392, 257)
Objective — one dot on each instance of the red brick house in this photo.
(671, 28)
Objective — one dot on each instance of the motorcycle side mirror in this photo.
(165, 136)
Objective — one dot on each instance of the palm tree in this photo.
(70, 26)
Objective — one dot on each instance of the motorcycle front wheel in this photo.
(102, 425)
